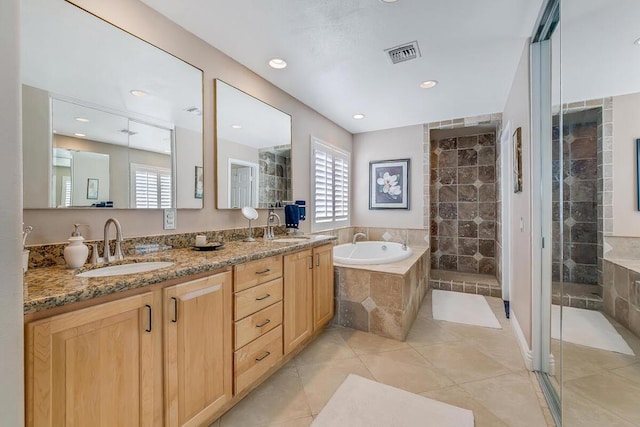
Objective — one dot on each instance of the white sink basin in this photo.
(122, 269)
(292, 239)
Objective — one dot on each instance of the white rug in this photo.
(587, 327)
(360, 402)
(457, 307)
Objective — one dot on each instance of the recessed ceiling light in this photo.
(236, 126)
(358, 116)
(138, 93)
(428, 84)
(277, 63)
(389, 1)
(82, 119)
(80, 134)
(637, 42)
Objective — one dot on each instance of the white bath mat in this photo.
(458, 307)
(360, 402)
(587, 327)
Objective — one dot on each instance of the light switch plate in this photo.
(170, 219)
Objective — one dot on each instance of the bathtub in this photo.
(370, 253)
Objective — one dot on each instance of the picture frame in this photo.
(389, 184)
(517, 160)
(199, 183)
(92, 188)
(638, 174)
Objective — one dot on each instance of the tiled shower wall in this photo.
(578, 172)
(463, 203)
(275, 176)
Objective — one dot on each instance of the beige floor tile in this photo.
(366, 343)
(405, 369)
(580, 361)
(462, 362)
(428, 331)
(279, 398)
(580, 412)
(610, 391)
(298, 422)
(630, 373)
(321, 380)
(510, 397)
(503, 349)
(458, 397)
(328, 346)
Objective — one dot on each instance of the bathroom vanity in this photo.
(176, 346)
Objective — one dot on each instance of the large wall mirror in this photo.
(253, 149)
(108, 119)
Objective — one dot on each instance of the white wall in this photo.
(187, 158)
(397, 143)
(626, 129)
(517, 111)
(231, 150)
(144, 22)
(11, 294)
(35, 136)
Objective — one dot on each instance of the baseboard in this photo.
(525, 351)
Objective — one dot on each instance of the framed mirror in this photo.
(253, 150)
(109, 120)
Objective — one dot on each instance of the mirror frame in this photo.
(216, 144)
(139, 117)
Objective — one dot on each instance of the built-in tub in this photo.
(370, 253)
(381, 298)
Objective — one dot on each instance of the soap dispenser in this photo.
(76, 252)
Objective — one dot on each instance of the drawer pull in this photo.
(266, 270)
(264, 297)
(265, 323)
(264, 356)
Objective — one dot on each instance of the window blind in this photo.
(151, 187)
(330, 185)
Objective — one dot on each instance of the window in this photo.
(151, 187)
(330, 185)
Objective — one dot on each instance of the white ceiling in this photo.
(337, 63)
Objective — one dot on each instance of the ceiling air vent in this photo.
(405, 52)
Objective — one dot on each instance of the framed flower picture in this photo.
(389, 184)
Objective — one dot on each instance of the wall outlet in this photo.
(170, 219)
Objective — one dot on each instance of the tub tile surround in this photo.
(621, 293)
(382, 299)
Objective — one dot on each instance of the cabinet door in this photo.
(298, 299)
(322, 286)
(198, 349)
(94, 367)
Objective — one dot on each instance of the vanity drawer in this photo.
(251, 327)
(255, 272)
(256, 358)
(255, 299)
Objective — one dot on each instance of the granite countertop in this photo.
(49, 287)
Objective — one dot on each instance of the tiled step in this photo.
(470, 283)
(577, 295)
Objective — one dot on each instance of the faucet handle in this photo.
(95, 259)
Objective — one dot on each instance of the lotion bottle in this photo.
(76, 252)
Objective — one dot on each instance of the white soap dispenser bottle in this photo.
(76, 252)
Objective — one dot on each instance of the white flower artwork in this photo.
(389, 184)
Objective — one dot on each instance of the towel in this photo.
(303, 209)
(291, 216)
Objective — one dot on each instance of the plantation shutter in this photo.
(330, 185)
(151, 187)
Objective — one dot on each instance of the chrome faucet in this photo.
(355, 237)
(272, 216)
(107, 257)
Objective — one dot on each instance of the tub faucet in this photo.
(106, 251)
(272, 216)
(355, 237)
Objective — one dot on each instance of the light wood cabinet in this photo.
(298, 299)
(94, 366)
(198, 349)
(323, 303)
